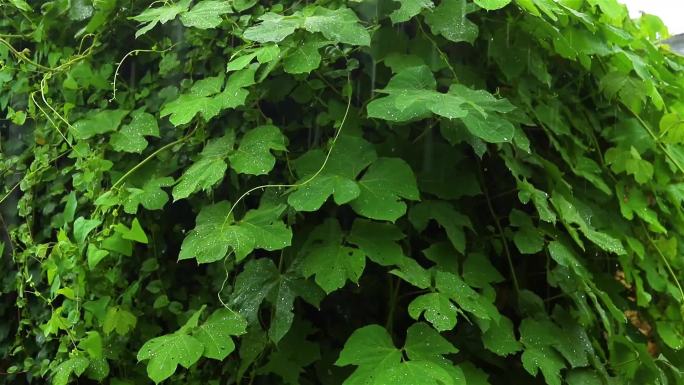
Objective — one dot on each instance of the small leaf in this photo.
(120, 320)
(75, 365)
(378, 241)
(424, 343)
(166, 352)
(478, 271)
(466, 298)
(350, 156)
(384, 184)
(135, 233)
(159, 15)
(83, 227)
(451, 220)
(206, 14)
(215, 234)
(491, 5)
(408, 9)
(449, 20)
(436, 308)
(528, 239)
(500, 338)
(208, 170)
(151, 196)
(253, 156)
(339, 25)
(303, 57)
(131, 137)
(273, 28)
(215, 333)
(332, 263)
(548, 361)
(370, 346)
(209, 101)
(98, 122)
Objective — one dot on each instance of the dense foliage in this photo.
(378, 192)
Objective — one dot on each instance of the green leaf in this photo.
(208, 170)
(629, 161)
(151, 196)
(215, 234)
(449, 20)
(414, 372)
(159, 15)
(538, 337)
(446, 216)
(206, 98)
(117, 243)
(436, 308)
(206, 14)
(491, 5)
(70, 208)
(303, 56)
(548, 361)
(329, 260)
(466, 298)
(671, 128)
(539, 198)
(564, 256)
(500, 338)
(294, 353)
(408, 9)
(340, 25)
(166, 352)
(83, 227)
(570, 214)
(75, 365)
(215, 333)
(119, 320)
(378, 241)
(253, 156)
(273, 28)
(383, 185)
(670, 334)
(350, 156)
(478, 271)
(411, 95)
(135, 233)
(424, 343)
(95, 255)
(583, 377)
(252, 286)
(369, 346)
(528, 239)
(98, 122)
(633, 201)
(131, 137)
(379, 362)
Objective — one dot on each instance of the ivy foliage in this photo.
(376, 192)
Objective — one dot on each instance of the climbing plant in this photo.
(376, 192)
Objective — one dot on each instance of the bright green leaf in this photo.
(383, 185)
(215, 234)
(206, 14)
(253, 156)
(208, 170)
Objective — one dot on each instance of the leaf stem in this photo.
(667, 264)
(394, 295)
(507, 251)
(151, 156)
